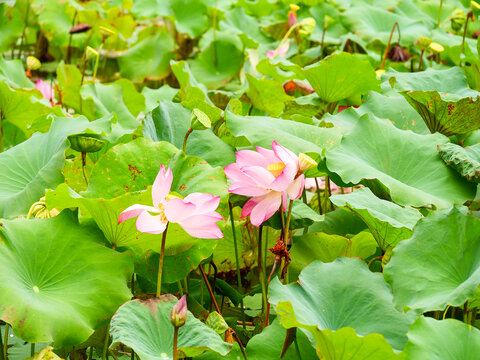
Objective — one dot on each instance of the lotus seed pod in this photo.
(305, 162)
(178, 315)
(80, 28)
(106, 31)
(33, 63)
(88, 143)
(436, 47)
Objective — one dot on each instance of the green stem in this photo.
(90, 353)
(297, 349)
(237, 261)
(326, 193)
(465, 33)
(32, 349)
(261, 274)
(319, 199)
(421, 60)
(214, 21)
(440, 13)
(184, 147)
(175, 341)
(5, 343)
(2, 346)
(25, 24)
(111, 352)
(97, 59)
(180, 288)
(69, 48)
(160, 262)
(105, 345)
(132, 354)
(286, 238)
(84, 163)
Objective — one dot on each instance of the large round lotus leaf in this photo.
(344, 293)
(340, 76)
(189, 16)
(148, 58)
(465, 160)
(145, 327)
(27, 172)
(440, 264)
(343, 344)
(297, 137)
(406, 165)
(57, 282)
(267, 95)
(320, 246)
(446, 114)
(442, 340)
(373, 23)
(388, 222)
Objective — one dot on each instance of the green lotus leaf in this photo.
(344, 293)
(340, 76)
(465, 160)
(267, 95)
(314, 246)
(339, 222)
(297, 137)
(170, 122)
(407, 169)
(27, 172)
(219, 62)
(86, 142)
(442, 340)
(446, 114)
(439, 265)
(21, 108)
(302, 215)
(13, 73)
(145, 327)
(148, 58)
(58, 282)
(388, 222)
(343, 344)
(374, 23)
(11, 25)
(189, 16)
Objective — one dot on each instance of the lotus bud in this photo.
(305, 162)
(178, 315)
(307, 26)
(33, 63)
(458, 19)
(106, 31)
(436, 47)
(292, 15)
(200, 120)
(80, 28)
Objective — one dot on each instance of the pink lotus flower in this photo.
(46, 90)
(267, 175)
(195, 213)
(280, 51)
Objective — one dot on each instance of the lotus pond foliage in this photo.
(248, 179)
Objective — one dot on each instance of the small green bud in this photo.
(307, 26)
(200, 120)
(423, 42)
(305, 162)
(33, 63)
(458, 19)
(178, 315)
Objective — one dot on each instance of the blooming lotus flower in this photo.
(269, 176)
(45, 89)
(195, 213)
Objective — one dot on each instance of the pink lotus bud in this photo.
(179, 313)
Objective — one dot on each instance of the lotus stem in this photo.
(132, 354)
(175, 341)
(184, 147)
(22, 37)
(214, 28)
(113, 354)
(445, 312)
(322, 44)
(84, 163)
(372, 260)
(421, 60)
(215, 273)
(395, 25)
(69, 48)
(275, 263)
(237, 261)
(327, 193)
(1, 131)
(97, 59)
(32, 349)
(286, 238)
(209, 288)
(319, 199)
(160, 262)
(261, 274)
(2, 347)
(440, 13)
(5, 343)
(105, 345)
(469, 15)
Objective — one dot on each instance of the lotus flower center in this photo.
(276, 168)
(161, 210)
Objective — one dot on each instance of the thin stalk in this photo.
(469, 14)
(1, 131)
(215, 273)
(285, 37)
(473, 316)
(69, 48)
(160, 262)
(97, 59)
(445, 312)
(209, 288)
(275, 263)
(421, 60)
(113, 354)
(465, 312)
(326, 193)
(90, 353)
(297, 349)
(440, 13)
(105, 345)
(175, 341)
(32, 349)
(22, 37)
(81, 84)
(214, 21)
(372, 260)
(184, 147)
(286, 238)
(5, 343)
(180, 288)
(2, 347)
(387, 49)
(265, 249)
(201, 295)
(133, 284)
(185, 282)
(132, 354)
(84, 163)
(322, 44)
(319, 199)
(261, 274)
(237, 261)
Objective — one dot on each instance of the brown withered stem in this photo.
(395, 25)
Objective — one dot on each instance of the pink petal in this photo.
(269, 155)
(150, 224)
(250, 158)
(265, 209)
(161, 186)
(262, 176)
(282, 51)
(285, 155)
(284, 180)
(202, 226)
(235, 174)
(240, 189)
(178, 210)
(203, 202)
(249, 205)
(133, 211)
(296, 188)
(45, 89)
(270, 54)
(310, 183)
(284, 198)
